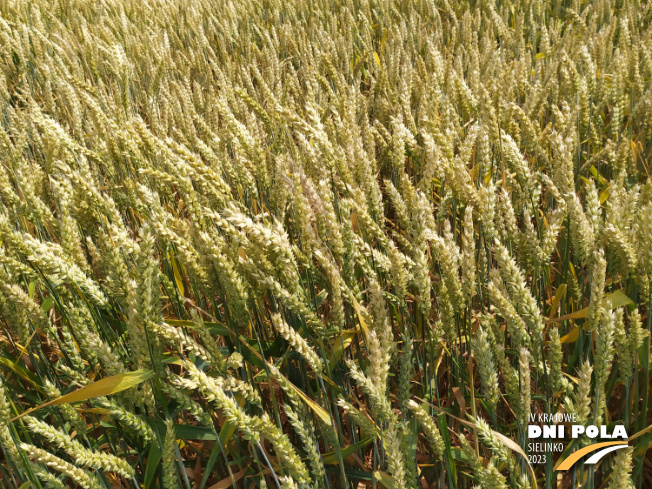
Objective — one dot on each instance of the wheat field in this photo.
(323, 243)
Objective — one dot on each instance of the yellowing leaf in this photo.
(459, 397)
(487, 178)
(640, 433)
(340, 344)
(637, 149)
(617, 298)
(384, 479)
(561, 291)
(377, 59)
(572, 336)
(575, 380)
(604, 195)
(172, 360)
(363, 323)
(317, 409)
(21, 371)
(594, 171)
(101, 411)
(177, 276)
(101, 388)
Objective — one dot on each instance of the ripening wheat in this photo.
(322, 243)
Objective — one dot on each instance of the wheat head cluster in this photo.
(323, 243)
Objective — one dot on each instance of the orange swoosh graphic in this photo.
(575, 456)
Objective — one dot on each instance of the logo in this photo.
(552, 429)
(607, 447)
